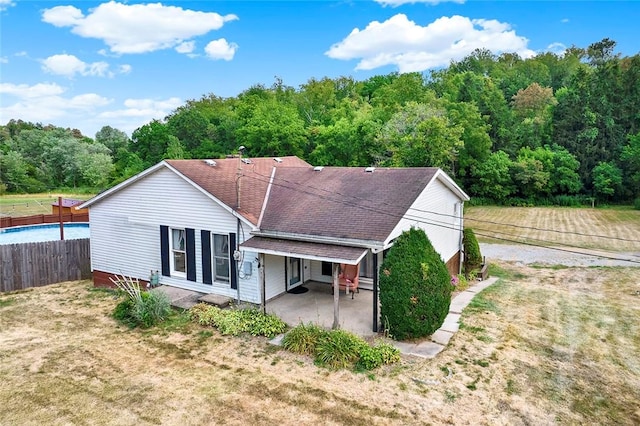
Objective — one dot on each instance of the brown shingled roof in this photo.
(220, 180)
(342, 202)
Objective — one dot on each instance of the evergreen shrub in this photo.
(472, 255)
(415, 287)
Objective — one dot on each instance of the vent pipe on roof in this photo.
(277, 160)
(369, 169)
(318, 168)
(210, 163)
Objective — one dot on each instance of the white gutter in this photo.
(374, 245)
(307, 256)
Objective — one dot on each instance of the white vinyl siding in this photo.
(274, 275)
(125, 231)
(316, 272)
(433, 211)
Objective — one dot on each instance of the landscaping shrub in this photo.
(415, 287)
(303, 339)
(140, 308)
(636, 204)
(372, 357)
(338, 349)
(472, 255)
(237, 321)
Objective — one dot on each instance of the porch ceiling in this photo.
(306, 250)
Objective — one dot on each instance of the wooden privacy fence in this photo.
(7, 222)
(28, 265)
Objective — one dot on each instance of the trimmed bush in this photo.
(472, 255)
(415, 287)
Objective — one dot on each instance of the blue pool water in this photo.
(45, 232)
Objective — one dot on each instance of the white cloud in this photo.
(221, 49)
(70, 65)
(136, 28)
(557, 48)
(5, 4)
(29, 92)
(44, 102)
(4, 60)
(411, 47)
(565, 20)
(186, 47)
(396, 3)
(138, 112)
(124, 69)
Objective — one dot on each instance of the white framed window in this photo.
(221, 261)
(178, 252)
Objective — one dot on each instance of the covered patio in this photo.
(316, 306)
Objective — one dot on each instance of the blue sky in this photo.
(86, 64)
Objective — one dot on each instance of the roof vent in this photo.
(246, 160)
(318, 168)
(278, 160)
(369, 169)
(210, 163)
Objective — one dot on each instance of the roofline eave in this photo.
(350, 242)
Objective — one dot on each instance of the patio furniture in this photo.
(348, 278)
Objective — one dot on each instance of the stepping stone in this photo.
(441, 337)
(216, 300)
(451, 323)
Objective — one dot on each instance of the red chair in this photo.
(348, 278)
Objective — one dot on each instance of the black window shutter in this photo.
(232, 262)
(164, 250)
(207, 276)
(191, 253)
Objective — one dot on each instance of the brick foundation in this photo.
(102, 279)
(453, 264)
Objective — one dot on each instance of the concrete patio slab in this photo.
(316, 306)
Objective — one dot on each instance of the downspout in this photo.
(461, 244)
(262, 282)
(238, 261)
(375, 292)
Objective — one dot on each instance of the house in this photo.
(253, 229)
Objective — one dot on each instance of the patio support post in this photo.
(263, 290)
(375, 292)
(336, 297)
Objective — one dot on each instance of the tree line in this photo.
(552, 128)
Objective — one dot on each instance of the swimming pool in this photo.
(44, 232)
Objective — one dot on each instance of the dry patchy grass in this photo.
(542, 346)
(565, 226)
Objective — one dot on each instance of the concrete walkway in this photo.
(432, 346)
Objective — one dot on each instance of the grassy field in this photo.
(30, 204)
(541, 346)
(606, 229)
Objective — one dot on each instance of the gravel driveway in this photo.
(524, 254)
